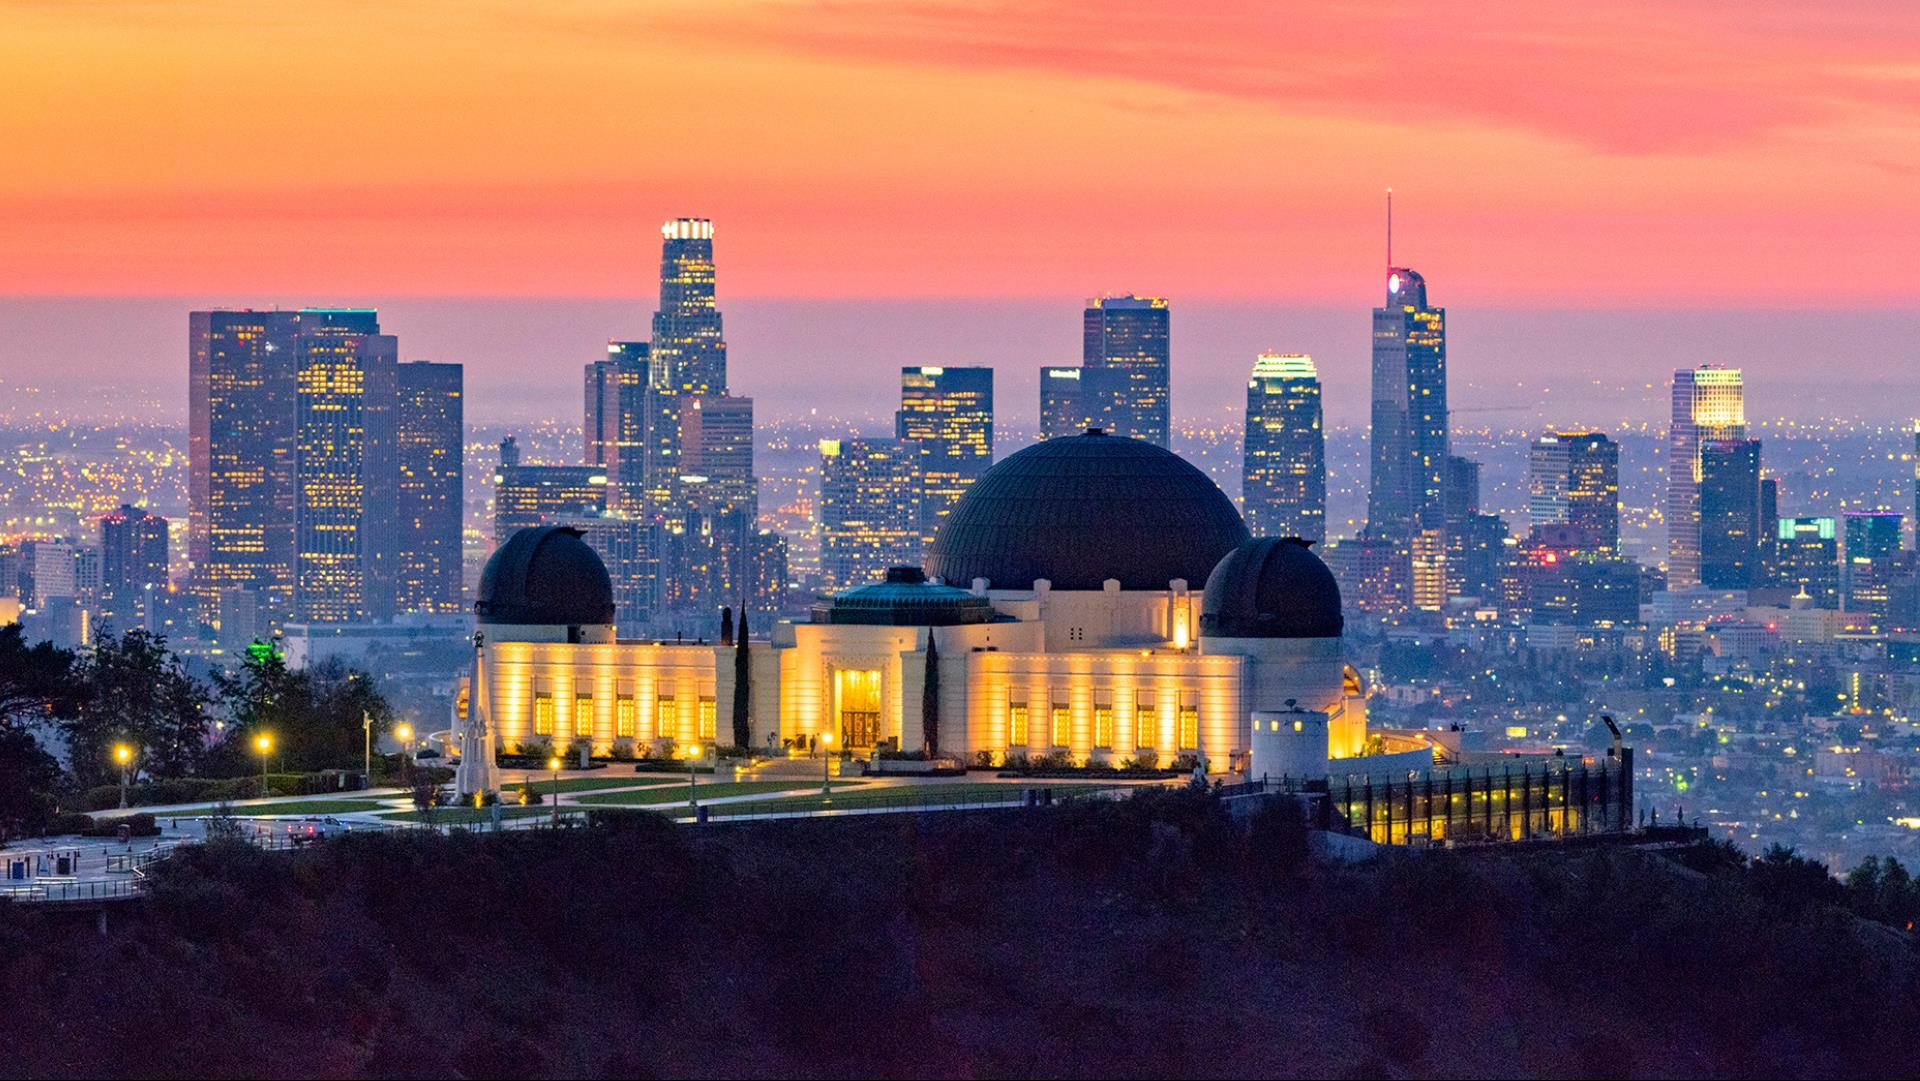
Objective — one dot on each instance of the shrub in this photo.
(69, 823)
(138, 825)
(622, 750)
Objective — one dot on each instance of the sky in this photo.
(965, 156)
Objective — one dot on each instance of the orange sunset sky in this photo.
(1604, 153)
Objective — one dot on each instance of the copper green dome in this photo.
(905, 599)
(1081, 509)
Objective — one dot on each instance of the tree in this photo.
(36, 682)
(930, 700)
(136, 692)
(313, 715)
(742, 687)
(29, 778)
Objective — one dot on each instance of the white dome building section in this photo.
(1090, 599)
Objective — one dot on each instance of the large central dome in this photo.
(1082, 509)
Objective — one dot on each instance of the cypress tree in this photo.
(742, 687)
(930, 700)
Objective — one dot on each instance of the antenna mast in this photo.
(1389, 228)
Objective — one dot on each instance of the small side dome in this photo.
(1272, 587)
(545, 576)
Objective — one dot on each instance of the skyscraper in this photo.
(688, 346)
(1064, 409)
(1283, 480)
(529, 495)
(1574, 477)
(133, 564)
(947, 414)
(1126, 349)
(1407, 486)
(1729, 519)
(294, 474)
(869, 509)
(1708, 403)
(618, 419)
(1806, 556)
(431, 496)
(1872, 544)
(241, 449)
(346, 536)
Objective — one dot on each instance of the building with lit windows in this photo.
(1574, 477)
(431, 494)
(1126, 348)
(947, 414)
(1407, 483)
(529, 495)
(1806, 559)
(617, 420)
(1729, 516)
(1065, 403)
(133, 565)
(1870, 546)
(1283, 480)
(869, 509)
(1708, 403)
(240, 485)
(688, 348)
(346, 536)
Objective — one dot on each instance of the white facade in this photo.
(1101, 676)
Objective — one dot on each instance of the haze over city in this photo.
(959, 538)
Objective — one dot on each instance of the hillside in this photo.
(1144, 939)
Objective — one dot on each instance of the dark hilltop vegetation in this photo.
(1150, 938)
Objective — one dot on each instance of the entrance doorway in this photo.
(856, 693)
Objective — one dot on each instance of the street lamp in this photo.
(404, 734)
(826, 764)
(366, 728)
(263, 743)
(693, 754)
(123, 754)
(554, 765)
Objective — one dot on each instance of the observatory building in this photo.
(1091, 598)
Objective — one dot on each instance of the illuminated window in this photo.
(1146, 724)
(667, 718)
(1189, 727)
(1062, 725)
(709, 718)
(1103, 726)
(1017, 724)
(583, 715)
(626, 717)
(543, 714)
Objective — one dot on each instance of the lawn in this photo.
(927, 795)
(298, 807)
(654, 797)
(468, 816)
(587, 784)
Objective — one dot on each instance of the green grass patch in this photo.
(585, 784)
(301, 807)
(654, 797)
(918, 795)
(468, 816)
